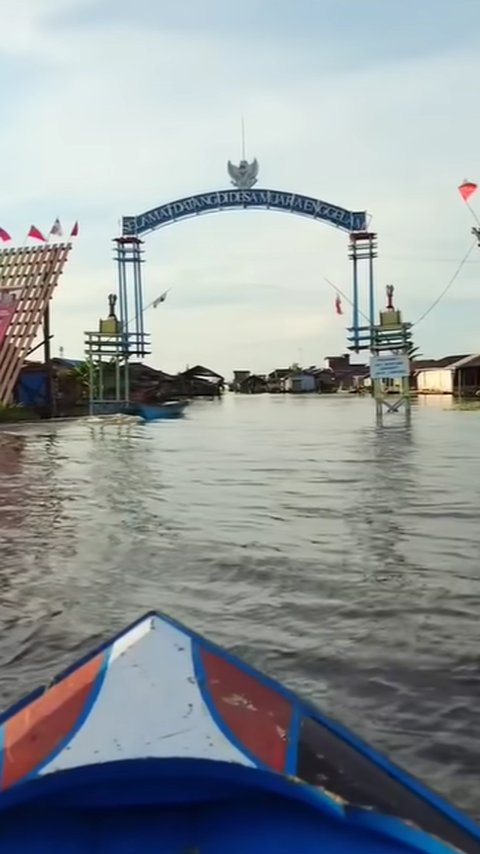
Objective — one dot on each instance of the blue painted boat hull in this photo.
(154, 412)
(161, 741)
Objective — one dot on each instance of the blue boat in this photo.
(155, 411)
(160, 741)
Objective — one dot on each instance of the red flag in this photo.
(74, 231)
(36, 234)
(467, 189)
(4, 235)
(338, 305)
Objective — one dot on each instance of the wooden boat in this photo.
(160, 741)
(154, 411)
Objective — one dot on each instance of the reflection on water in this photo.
(341, 558)
(437, 401)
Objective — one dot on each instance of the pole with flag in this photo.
(56, 229)
(156, 302)
(338, 304)
(36, 234)
(4, 236)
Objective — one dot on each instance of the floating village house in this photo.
(294, 380)
(239, 377)
(37, 381)
(311, 379)
(253, 384)
(69, 380)
(277, 379)
(301, 381)
(348, 375)
(459, 375)
(202, 382)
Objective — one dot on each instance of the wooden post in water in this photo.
(390, 363)
(112, 344)
(389, 343)
(47, 358)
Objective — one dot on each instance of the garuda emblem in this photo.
(243, 176)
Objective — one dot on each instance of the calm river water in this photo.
(342, 560)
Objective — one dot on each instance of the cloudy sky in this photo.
(110, 108)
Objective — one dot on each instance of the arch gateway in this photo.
(243, 195)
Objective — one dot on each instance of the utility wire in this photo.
(434, 303)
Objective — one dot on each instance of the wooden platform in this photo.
(28, 277)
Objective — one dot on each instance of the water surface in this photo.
(343, 560)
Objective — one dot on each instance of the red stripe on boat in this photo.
(39, 728)
(257, 716)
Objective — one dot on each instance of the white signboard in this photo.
(389, 367)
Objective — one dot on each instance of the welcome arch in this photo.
(221, 200)
(362, 245)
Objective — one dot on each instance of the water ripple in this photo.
(344, 561)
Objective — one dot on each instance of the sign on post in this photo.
(389, 367)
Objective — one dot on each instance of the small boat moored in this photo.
(161, 741)
(155, 411)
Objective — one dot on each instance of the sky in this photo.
(111, 108)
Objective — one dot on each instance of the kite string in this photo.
(447, 286)
(457, 271)
(433, 304)
(472, 211)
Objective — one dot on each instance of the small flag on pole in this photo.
(36, 234)
(56, 228)
(4, 235)
(338, 304)
(160, 299)
(74, 231)
(467, 189)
